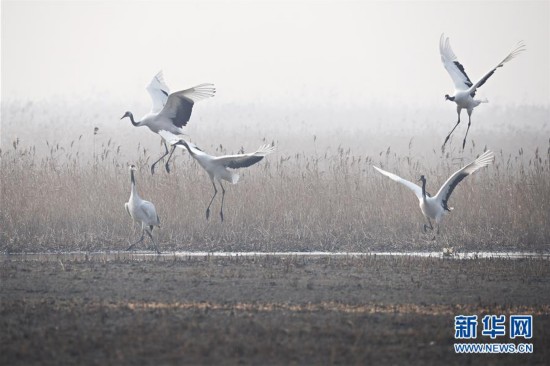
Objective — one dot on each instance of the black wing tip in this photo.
(461, 69)
(452, 186)
(246, 163)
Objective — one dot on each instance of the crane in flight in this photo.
(435, 207)
(465, 90)
(170, 112)
(219, 167)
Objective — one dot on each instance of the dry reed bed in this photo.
(330, 201)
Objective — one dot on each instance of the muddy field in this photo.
(360, 310)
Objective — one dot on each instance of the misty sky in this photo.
(303, 52)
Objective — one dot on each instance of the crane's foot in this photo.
(137, 242)
(153, 169)
(207, 213)
(167, 168)
(221, 215)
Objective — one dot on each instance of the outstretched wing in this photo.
(519, 48)
(451, 64)
(245, 160)
(158, 90)
(413, 187)
(447, 188)
(179, 105)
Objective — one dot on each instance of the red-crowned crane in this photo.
(465, 90)
(170, 112)
(143, 212)
(434, 208)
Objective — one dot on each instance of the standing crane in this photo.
(143, 212)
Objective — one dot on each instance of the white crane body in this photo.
(142, 212)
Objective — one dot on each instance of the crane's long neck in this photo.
(424, 189)
(133, 122)
(133, 180)
(184, 143)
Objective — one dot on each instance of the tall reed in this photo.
(331, 199)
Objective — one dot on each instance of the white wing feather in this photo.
(148, 213)
(519, 48)
(413, 187)
(127, 209)
(159, 91)
(170, 138)
(451, 64)
(200, 92)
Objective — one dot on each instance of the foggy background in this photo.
(310, 76)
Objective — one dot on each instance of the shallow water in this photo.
(148, 255)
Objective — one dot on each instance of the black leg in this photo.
(428, 227)
(223, 195)
(153, 240)
(162, 157)
(169, 157)
(450, 133)
(468, 129)
(215, 193)
(139, 241)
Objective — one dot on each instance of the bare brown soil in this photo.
(367, 310)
